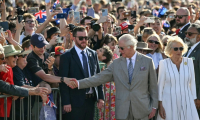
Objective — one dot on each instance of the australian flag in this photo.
(50, 101)
(155, 13)
(55, 4)
(41, 16)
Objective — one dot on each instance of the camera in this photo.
(94, 25)
(71, 27)
(20, 11)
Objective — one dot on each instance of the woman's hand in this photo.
(4, 68)
(162, 111)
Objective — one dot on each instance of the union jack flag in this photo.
(41, 16)
(55, 4)
(50, 101)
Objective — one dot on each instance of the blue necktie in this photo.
(85, 68)
(130, 70)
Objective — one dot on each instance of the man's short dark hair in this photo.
(195, 25)
(82, 22)
(28, 37)
(120, 7)
(78, 29)
(12, 26)
(26, 44)
(108, 54)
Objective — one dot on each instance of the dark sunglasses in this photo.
(30, 21)
(152, 41)
(23, 55)
(15, 56)
(180, 48)
(179, 16)
(122, 48)
(81, 38)
(189, 33)
(2, 58)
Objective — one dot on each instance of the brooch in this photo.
(185, 63)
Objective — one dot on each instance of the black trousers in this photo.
(85, 112)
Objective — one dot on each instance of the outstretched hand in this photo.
(71, 82)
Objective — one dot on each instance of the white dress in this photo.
(177, 90)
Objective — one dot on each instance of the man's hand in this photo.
(40, 90)
(100, 104)
(50, 17)
(4, 68)
(71, 82)
(15, 97)
(2, 39)
(19, 26)
(3, 5)
(152, 114)
(50, 62)
(67, 108)
(65, 31)
(141, 22)
(197, 102)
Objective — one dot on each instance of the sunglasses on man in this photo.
(81, 38)
(190, 33)
(152, 41)
(179, 16)
(178, 48)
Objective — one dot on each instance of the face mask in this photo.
(190, 42)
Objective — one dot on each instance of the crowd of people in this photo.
(111, 60)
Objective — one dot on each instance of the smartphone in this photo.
(61, 15)
(104, 12)
(118, 29)
(147, 2)
(71, 13)
(139, 38)
(33, 10)
(59, 40)
(52, 54)
(20, 18)
(133, 14)
(116, 1)
(101, 65)
(149, 20)
(81, 14)
(4, 27)
(77, 17)
(47, 1)
(127, 14)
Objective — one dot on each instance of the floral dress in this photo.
(108, 111)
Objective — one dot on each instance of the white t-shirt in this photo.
(22, 36)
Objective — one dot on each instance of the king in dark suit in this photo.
(80, 62)
(193, 40)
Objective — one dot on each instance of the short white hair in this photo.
(129, 40)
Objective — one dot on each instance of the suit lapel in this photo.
(123, 64)
(89, 54)
(137, 67)
(194, 51)
(77, 59)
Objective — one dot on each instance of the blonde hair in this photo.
(160, 46)
(170, 44)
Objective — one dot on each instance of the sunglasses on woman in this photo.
(152, 41)
(2, 58)
(178, 48)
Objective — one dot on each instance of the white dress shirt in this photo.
(133, 58)
(78, 51)
(192, 48)
(156, 58)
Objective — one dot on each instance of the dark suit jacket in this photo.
(70, 66)
(13, 89)
(181, 33)
(195, 55)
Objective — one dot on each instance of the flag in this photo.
(50, 101)
(55, 4)
(41, 16)
(155, 13)
(162, 11)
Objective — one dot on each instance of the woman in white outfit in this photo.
(176, 84)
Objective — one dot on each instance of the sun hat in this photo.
(9, 50)
(143, 46)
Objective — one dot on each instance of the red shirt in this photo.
(7, 77)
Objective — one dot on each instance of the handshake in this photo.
(72, 83)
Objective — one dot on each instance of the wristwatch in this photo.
(62, 79)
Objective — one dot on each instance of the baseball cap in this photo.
(124, 25)
(59, 50)
(52, 31)
(38, 40)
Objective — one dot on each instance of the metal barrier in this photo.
(56, 94)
